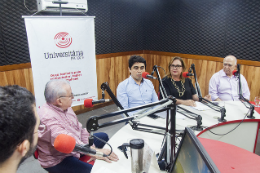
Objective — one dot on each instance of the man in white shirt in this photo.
(223, 85)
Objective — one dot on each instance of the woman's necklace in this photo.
(181, 93)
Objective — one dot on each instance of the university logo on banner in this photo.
(63, 51)
(63, 40)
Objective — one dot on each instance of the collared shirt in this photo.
(226, 88)
(55, 121)
(130, 94)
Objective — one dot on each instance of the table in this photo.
(229, 158)
(234, 111)
(257, 109)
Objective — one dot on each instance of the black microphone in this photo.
(187, 74)
(235, 72)
(88, 103)
(67, 144)
(87, 150)
(146, 75)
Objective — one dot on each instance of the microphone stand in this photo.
(170, 104)
(247, 104)
(105, 86)
(206, 102)
(150, 129)
(193, 116)
(180, 110)
(162, 89)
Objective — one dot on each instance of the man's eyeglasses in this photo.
(176, 66)
(71, 96)
(229, 65)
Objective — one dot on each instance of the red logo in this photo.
(63, 40)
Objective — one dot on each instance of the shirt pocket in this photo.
(133, 95)
(147, 95)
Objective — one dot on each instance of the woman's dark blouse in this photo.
(171, 90)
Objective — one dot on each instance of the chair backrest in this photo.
(159, 94)
(84, 158)
(36, 154)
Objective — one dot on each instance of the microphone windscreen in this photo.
(88, 103)
(64, 143)
(144, 74)
(184, 74)
(233, 72)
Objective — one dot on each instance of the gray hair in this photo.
(232, 56)
(54, 89)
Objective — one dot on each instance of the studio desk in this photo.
(243, 137)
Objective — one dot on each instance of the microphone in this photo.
(235, 72)
(88, 103)
(152, 72)
(146, 75)
(67, 144)
(187, 74)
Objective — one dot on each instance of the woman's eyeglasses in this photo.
(176, 66)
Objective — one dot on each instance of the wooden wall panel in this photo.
(211, 69)
(22, 77)
(113, 68)
(252, 77)
(3, 79)
(254, 83)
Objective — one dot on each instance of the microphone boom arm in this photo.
(105, 86)
(162, 89)
(247, 104)
(180, 110)
(93, 125)
(206, 102)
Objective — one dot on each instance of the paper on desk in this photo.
(154, 168)
(147, 156)
(163, 115)
(201, 107)
(150, 161)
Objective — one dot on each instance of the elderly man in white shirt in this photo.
(223, 85)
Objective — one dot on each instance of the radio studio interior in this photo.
(132, 86)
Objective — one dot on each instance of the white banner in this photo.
(63, 47)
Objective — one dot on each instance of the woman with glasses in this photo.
(178, 86)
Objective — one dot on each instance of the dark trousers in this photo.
(74, 165)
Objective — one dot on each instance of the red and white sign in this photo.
(63, 47)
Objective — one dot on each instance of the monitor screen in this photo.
(192, 157)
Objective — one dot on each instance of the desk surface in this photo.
(234, 111)
(230, 158)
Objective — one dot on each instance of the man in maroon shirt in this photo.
(57, 117)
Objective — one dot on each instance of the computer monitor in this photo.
(192, 157)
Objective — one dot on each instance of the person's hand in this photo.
(218, 99)
(208, 97)
(112, 157)
(189, 103)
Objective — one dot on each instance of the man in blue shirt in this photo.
(135, 90)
